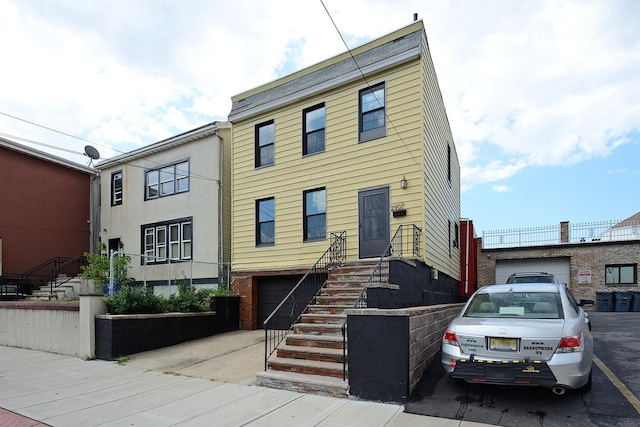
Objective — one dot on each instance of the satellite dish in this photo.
(92, 153)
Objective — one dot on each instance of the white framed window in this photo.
(169, 240)
(116, 188)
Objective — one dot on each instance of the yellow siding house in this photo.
(359, 143)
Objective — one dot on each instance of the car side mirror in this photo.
(585, 303)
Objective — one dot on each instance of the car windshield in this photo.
(534, 279)
(529, 305)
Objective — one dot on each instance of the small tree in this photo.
(98, 266)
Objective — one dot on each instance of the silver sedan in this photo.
(521, 334)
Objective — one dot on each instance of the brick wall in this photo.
(426, 328)
(583, 256)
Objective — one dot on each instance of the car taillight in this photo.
(450, 338)
(570, 344)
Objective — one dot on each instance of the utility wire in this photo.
(369, 85)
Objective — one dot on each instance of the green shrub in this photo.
(135, 300)
(188, 299)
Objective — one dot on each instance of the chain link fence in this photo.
(164, 274)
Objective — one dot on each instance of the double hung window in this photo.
(313, 123)
(265, 222)
(372, 113)
(265, 144)
(168, 240)
(315, 214)
(116, 188)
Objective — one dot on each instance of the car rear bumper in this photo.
(569, 370)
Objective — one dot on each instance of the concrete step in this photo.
(322, 341)
(341, 291)
(318, 329)
(336, 300)
(308, 367)
(323, 318)
(301, 383)
(318, 354)
(328, 309)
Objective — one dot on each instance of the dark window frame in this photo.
(306, 216)
(378, 131)
(632, 266)
(261, 146)
(306, 133)
(151, 253)
(115, 191)
(154, 178)
(260, 222)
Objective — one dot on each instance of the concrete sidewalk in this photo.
(207, 382)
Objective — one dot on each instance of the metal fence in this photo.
(562, 234)
(165, 274)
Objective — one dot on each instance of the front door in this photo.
(373, 222)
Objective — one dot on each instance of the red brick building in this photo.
(45, 208)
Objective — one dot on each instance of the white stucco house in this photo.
(167, 205)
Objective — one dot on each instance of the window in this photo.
(372, 113)
(265, 222)
(315, 214)
(620, 274)
(456, 235)
(167, 240)
(313, 123)
(116, 188)
(167, 180)
(265, 144)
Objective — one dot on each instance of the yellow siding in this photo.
(343, 169)
(224, 133)
(442, 199)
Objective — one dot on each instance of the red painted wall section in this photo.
(468, 258)
(44, 211)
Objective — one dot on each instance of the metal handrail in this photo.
(300, 296)
(59, 269)
(360, 302)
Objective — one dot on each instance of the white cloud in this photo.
(501, 188)
(524, 83)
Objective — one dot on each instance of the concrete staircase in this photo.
(65, 288)
(310, 358)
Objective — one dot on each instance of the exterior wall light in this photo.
(403, 182)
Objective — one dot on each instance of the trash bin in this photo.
(635, 304)
(605, 301)
(623, 301)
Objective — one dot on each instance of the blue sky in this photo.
(541, 95)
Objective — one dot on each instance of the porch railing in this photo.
(287, 313)
(404, 243)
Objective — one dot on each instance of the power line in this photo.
(368, 84)
(191, 174)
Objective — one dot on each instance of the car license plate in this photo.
(503, 344)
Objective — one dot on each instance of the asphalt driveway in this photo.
(612, 401)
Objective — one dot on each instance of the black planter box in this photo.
(125, 334)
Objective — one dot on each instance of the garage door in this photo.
(559, 267)
(271, 291)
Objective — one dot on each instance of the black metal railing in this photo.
(43, 273)
(404, 243)
(287, 313)
(67, 266)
